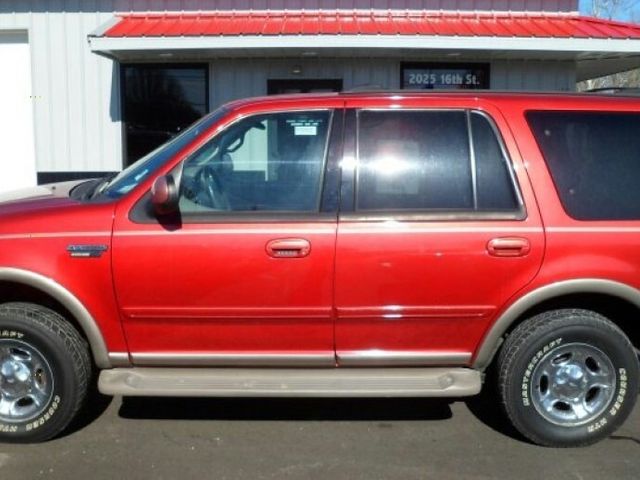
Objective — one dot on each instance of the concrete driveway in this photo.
(308, 438)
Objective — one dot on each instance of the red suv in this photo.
(341, 245)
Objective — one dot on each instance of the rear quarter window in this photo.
(594, 160)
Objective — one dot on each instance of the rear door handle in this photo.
(509, 247)
(288, 248)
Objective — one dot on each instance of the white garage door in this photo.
(17, 148)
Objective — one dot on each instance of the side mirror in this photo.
(164, 195)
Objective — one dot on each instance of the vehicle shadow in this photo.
(286, 409)
(487, 409)
(95, 405)
(628, 438)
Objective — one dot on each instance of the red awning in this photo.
(366, 23)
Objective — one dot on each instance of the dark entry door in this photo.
(158, 101)
(276, 87)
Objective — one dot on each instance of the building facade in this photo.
(87, 87)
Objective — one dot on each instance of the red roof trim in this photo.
(365, 22)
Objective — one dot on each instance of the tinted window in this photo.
(594, 159)
(495, 189)
(271, 162)
(421, 160)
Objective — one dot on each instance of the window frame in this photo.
(424, 214)
(326, 211)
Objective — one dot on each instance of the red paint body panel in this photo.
(215, 288)
(391, 286)
(577, 249)
(424, 286)
(34, 236)
(375, 22)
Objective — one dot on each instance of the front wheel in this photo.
(45, 370)
(568, 378)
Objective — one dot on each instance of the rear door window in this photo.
(434, 161)
(594, 159)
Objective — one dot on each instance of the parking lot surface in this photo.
(309, 438)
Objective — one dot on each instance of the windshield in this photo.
(131, 177)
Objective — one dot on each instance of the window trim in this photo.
(143, 212)
(422, 214)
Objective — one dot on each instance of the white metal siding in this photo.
(533, 75)
(77, 93)
(232, 79)
(17, 158)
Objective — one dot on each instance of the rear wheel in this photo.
(568, 378)
(45, 370)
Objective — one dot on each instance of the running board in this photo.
(274, 382)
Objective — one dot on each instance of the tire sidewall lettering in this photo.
(530, 367)
(7, 333)
(36, 423)
(46, 416)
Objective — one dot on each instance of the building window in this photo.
(159, 101)
(434, 76)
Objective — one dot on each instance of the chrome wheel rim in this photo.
(573, 384)
(26, 382)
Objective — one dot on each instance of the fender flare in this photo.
(70, 302)
(493, 338)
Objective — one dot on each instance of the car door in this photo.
(246, 276)
(438, 229)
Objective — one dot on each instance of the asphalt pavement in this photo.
(309, 438)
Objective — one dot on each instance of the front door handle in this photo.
(288, 248)
(509, 247)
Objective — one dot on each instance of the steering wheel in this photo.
(209, 183)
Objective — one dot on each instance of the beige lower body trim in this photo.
(233, 360)
(119, 359)
(291, 382)
(359, 358)
(384, 358)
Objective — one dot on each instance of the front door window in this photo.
(270, 162)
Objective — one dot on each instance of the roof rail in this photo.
(631, 91)
(365, 88)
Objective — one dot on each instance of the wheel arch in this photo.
(47, 290)
(589, 293)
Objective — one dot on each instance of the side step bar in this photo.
(281, 382)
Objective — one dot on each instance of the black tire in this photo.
(535, 386)
(40, 338)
